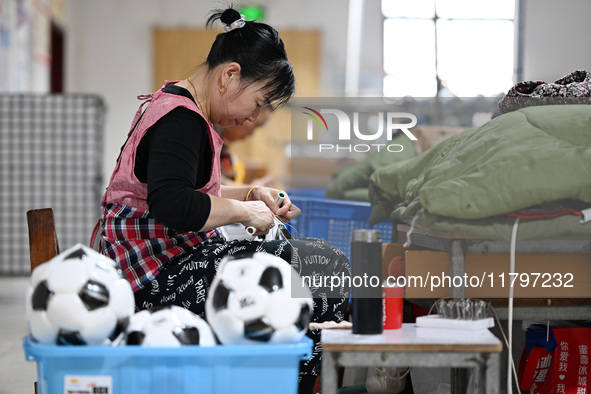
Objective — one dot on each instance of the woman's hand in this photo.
(253, 207)
(259, 216)
(284, 209)
(249, 213)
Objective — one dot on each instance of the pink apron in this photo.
(130, 234)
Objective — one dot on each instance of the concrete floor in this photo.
(16, 374)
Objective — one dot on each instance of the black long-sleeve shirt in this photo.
(174, 158)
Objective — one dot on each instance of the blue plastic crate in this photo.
(334, 221)
(307, 192)
(182, 370)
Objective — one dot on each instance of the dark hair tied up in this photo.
(227, 16)
(260, 52)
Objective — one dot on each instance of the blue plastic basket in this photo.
(307, 192)
(334, 221)
(182, 370)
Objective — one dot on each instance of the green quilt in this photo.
(352, 183)
(468, 182)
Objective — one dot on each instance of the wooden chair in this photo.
(43, 243)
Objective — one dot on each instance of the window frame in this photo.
(517, 40)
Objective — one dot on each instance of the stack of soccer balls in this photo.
(258, 298)
(81, 297)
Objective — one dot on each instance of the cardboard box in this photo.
(538, 275)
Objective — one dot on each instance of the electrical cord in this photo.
(507, 344)
(510, 306)
(511, 371)
(410, 231)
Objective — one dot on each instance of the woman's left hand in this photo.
(284, 209)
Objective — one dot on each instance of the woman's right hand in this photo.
(259, 216)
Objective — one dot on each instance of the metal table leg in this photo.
(329, 373)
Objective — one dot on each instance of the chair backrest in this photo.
(43, 243)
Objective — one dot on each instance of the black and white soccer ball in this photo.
(80, 297)
(169, 326)
(250, 301)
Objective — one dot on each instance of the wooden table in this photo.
(458, 245)
(413, 346)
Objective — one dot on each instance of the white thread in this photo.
(288, 224)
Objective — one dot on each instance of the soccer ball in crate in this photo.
(167, 326)
(79, 297)
(250, 301)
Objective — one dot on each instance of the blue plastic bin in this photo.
(182, 370)
(334, 221)
(307, 192)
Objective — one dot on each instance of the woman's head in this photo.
(260, 53)
(237, 133)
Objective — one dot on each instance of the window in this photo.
(461, 48)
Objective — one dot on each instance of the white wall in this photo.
(109, 48)
(556, 38)
(109, 45)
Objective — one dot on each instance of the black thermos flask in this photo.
(366, 267)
